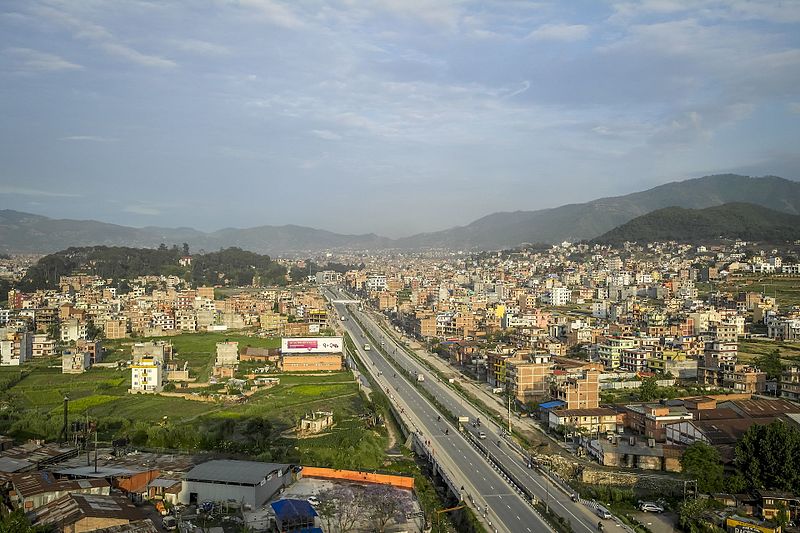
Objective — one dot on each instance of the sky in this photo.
(385, 116)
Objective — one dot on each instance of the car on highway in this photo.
(481, 435)
(650, 507)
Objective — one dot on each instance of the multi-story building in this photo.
(579, 391)
(673, 362)
(147, 375)
(635, 359)
(75, 361)
(115, 328)
(42, 346)
(610, 352)
(651, 420)
(528, 379)
(16, 348)
(72, 329)
(789, 385)
(93, 348)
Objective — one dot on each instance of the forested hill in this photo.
(744, 221)
(232, 266)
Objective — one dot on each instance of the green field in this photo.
(749, 349)
(32, 399)
(199, 349)
(786, 290)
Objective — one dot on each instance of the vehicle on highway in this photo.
(366, 347)
(651, 507)
(481, 435)
(420, 378)
(602, 512)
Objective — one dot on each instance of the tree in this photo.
(383, 505)
(92, 331)
(701, 461)
(648, 391)
(769, 456)
(16, 522)
(771, 364)
(340, 506)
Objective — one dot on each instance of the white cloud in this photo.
(327, 135)
(29, 60)
(200, 47)
(275, 13)
(560, 32)
(95, 33)
(141, 210)
(90, 138)
(26, 191)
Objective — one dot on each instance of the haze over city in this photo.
(416, 115)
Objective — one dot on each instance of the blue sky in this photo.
(386, 116)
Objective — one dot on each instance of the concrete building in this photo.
(115, 328)
(790, 383)
(75, 362)
(147, 375)
(579, 391)
(528, 379)
(248, 482)
(610, 352)
(16, 348)
(227, 354)
(72, 329)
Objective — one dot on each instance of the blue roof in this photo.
(551, 405)
(292, 509)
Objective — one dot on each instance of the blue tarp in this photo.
(551, 405)
(287, 510)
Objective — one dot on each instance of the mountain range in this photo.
(728, 221)
(25, 232)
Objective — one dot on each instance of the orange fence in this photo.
(401, 482)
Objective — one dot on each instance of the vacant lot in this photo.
(749, 349)
(786, 290)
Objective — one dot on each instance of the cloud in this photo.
(26, 191)
(275, 13)
(327, 135)
(200, 47)
(99, 35)
(29, 60)
(142, 210)
(91, 138)
(560, 32)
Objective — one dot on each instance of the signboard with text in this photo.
(299, 345)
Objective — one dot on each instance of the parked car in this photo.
(313, 500)
(651, 507)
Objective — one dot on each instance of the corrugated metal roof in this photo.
(227, 471)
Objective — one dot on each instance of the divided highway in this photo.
(483, 487)
(514, 513)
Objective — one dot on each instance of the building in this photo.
(294, 515)
(42, 346)
(789, 385)
(314, 362)
(147, 375)
(610, 352)
(248, 482)
(78, 513)
(75, 362)
(32, 490)
(651, 420)
(673, 362)
(115, 328)
(597, 421)
(528, 379)
(579, 391)
(316, 422)
(72, 329)
(93, 348)
(16, 348)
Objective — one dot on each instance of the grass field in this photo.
(786, 290)
(199, 349)
(749, 349)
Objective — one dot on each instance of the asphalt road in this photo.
(505, 508)
(582, 518)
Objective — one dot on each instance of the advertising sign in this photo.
(311, 345)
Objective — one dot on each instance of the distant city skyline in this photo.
(389, 116)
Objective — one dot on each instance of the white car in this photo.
(650, 507)
(313, 500)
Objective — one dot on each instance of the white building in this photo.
(560, 296)
(147, 375)
(376, 282)
(15, 348)
(72, 329)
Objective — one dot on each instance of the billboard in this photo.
(311, 345)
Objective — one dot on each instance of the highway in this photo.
(483, 487)
(582, 519)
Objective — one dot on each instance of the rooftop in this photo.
(228, 471)
(73, 507)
